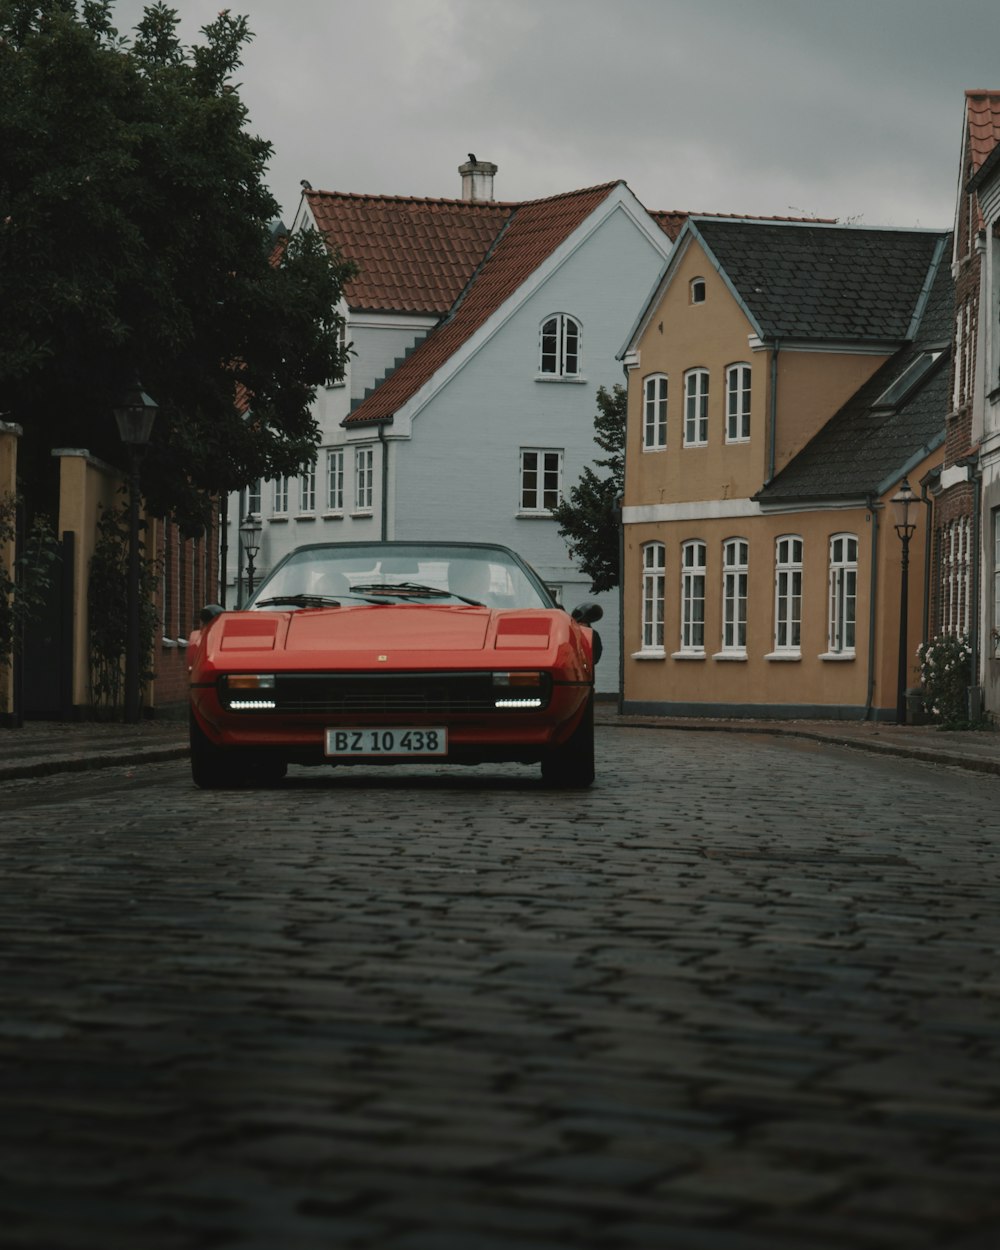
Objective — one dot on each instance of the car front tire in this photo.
(213, 768)
(571, 766)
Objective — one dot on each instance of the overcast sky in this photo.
(834, 108)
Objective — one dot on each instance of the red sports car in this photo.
(396, 652)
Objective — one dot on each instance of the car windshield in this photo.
(350, 573)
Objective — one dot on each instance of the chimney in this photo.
(477, 179)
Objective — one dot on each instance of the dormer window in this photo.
(697, 290)
(560, 347)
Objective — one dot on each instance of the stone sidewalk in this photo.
(41, 748)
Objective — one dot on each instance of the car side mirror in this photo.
(209, 612)
(587, 613)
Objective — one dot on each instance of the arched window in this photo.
(738, 403)
(697, 290)
(654, 563)
(696, 408)
(560, 342)
(735, 579)
(654, 422)
(843, 594)
(788, 593)
(693, 596)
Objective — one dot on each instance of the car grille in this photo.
(405, 693)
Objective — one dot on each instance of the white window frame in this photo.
(738, 402)
(698, 290)
(540, 478)
(280, 496)
(307, 490)
(696, 389)
(654, 573)
(364, 479)
(956, 577)
(335, 480)
(735, 595)
(842, 618)
(655, 395)
(250, 500)
(788, 567)
(560, 347)
(694, 569)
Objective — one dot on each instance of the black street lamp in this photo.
(250, 530)
(902, 502)
(135, 413)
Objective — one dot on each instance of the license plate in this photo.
(374, 741)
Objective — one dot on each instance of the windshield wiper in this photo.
(414, 588)
(302, 601)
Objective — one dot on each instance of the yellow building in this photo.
(784, 380)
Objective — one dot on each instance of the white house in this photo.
(481, 332)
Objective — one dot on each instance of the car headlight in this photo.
(249, 692)
(521, 689)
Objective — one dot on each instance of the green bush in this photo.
(945, 677)
(24, 586)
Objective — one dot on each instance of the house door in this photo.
(46, 677)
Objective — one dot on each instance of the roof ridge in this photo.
(370, 197)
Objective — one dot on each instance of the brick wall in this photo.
(189, 577)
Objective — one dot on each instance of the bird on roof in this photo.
(306, 185)
(472, 157)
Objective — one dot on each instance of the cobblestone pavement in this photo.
(742, 995)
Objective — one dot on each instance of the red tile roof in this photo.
(413, 255)
(533, 232)
(983, 112)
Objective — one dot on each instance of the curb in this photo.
(84, 763)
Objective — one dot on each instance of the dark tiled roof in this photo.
(818, 282)
(864, 446)
(532, 233)
(413, 255)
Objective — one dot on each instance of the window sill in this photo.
(693, 446)
(555, 377)
(534, 516)
(784, 657)
(277, 518)
(333, 516)
(305, 516)
(688, 655)
(654, 449)
(651, 654)
(837, 657)
(361, 513)
(736, 442)
(731, 657)
(168, 644)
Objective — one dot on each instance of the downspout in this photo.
(773, 412)
(925, 618)
(872, 608)
(385, 482)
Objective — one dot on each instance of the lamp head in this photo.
(135, 413)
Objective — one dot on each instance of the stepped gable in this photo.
(983, 112)
(532, 233)
(810, 281)
(413, 255)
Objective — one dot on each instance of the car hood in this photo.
(385, 626)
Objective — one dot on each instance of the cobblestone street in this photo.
(742, 995)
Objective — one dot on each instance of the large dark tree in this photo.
(589, 519)
(137, 240)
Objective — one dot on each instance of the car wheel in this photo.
(571, 766)
(210, 770)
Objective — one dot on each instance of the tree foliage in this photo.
(136, 240)
(588, 519)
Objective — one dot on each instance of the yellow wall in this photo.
(706, 493)
(86, 485)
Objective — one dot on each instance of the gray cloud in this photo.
(760, 106)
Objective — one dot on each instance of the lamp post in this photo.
(902, 502)
(134, 413)
(250, 529)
